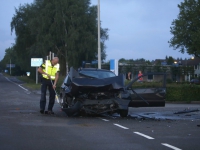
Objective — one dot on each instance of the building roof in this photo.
(191, 62)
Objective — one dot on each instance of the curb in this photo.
(182, 102)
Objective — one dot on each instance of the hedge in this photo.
(185, 93)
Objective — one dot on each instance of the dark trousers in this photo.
(46, 83)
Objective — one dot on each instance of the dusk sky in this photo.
(137, 28)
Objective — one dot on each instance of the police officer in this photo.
(50, 74)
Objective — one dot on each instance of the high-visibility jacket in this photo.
(50, 70)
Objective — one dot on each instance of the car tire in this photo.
(64, 105)
(123, 113)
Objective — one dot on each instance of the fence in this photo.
(174, 73)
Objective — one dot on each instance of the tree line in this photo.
(66, 28)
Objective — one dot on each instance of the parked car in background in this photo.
(100, 91)
(195, 81)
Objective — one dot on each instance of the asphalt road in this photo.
(22, 127)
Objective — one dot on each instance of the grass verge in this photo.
(31, 84)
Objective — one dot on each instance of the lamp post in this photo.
(191, 58)
(10, 66)
(99, 43)
(175, 70)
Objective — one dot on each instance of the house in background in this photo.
(191, 66)
(161, 62)
(181, 70)
(195, 62)
(178, 70)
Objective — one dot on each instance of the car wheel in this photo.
(64, 101)
(123, 113)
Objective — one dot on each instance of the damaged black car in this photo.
(99, 91)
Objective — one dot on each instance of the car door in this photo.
(148, 94)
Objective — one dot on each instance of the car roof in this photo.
(93, 69)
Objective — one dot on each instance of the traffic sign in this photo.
(36, 62)
(10, 65)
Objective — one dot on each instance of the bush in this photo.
(183, 92)
(169, 80)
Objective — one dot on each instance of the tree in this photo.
(122, 60)
(66, 28)
(170, 60)
(11, 57)
(186, 28)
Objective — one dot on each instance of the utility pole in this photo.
(10, 66)
(99, 42)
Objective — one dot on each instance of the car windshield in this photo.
(98, 74)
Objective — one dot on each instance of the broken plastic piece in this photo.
(186, 111)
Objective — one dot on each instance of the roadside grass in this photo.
(31, 84)
(5, 74)
(28, 82)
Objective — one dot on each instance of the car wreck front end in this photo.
(93, 95)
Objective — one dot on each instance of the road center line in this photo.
(146, 136)
(170, 146)
(121, 126)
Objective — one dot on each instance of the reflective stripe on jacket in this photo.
(50, 70)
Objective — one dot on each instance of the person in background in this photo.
(140, 74)
(50, 74)
(128, 76)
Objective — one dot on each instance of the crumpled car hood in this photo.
(94, 85)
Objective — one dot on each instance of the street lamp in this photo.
(99, 43)
(175, 69)
(188, 74)
(189, 59)
(10, 66)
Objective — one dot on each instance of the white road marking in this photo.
(22, 87)
(146, 136)
(10, 81)
(104, 119)
(121, 126)
(16, 84)
(170, 146)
